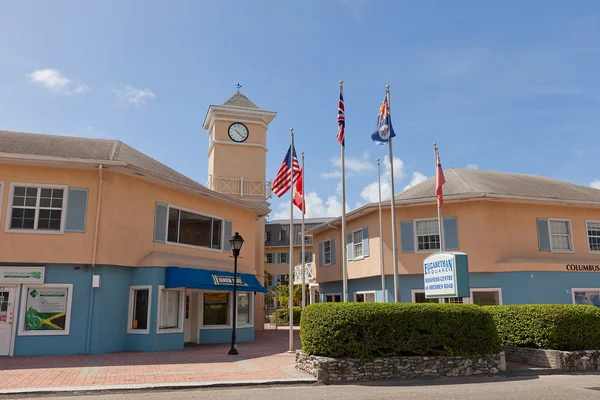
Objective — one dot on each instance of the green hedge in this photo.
(370, 330)
(284, 315)
(565, 327)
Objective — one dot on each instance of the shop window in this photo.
(364, 297)
(194, 229)
(333, 298)
(37, 208)
(593, 235)
(560, 235)
(215, 309)
(589, 297)
(492, 297)
(419, 297)
(428, 234)
(244, 311)
(269, 258)
(45, 310)
(170, 310)
(139, 309)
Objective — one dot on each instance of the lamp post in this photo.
(236, 242)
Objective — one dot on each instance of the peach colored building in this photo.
(529, 239)
(104, 249)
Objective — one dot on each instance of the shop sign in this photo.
(227, 280)
(583, 267)
(216, 298)
(22, 274)
(46, 308)
(446, 274)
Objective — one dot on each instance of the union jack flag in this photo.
(281, 183)
(341, 118)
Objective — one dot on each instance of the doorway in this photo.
(7, 309)
(187, 326)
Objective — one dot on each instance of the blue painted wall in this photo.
(211, 336)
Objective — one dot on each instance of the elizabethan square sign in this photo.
(446, 274)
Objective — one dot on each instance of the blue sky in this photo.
(508, 86)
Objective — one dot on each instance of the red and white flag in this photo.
(281, 184)
(439, 181)
(298, 195)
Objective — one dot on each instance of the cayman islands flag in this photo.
(383, 130)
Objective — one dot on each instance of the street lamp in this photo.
(236, 242)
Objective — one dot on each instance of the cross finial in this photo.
(239, 87)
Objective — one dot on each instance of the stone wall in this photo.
(585, 360)
(347, 369)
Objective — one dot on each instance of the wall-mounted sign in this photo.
(227, 280)
(22, 274)
(446, 274)
(46, 309)
(583, 267)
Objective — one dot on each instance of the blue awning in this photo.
(176, 277)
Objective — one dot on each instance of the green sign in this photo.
(22, 274)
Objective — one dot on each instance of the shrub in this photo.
(370, 330)
(565, 327)
(284, 315)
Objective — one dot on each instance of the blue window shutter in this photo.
(160, 223)
(332, 246)
(543, 234)
(450, 233)
(227, 234)
(365, 242)
(309, 256)
(278, 261)
(407, 235)
(288, 256)
(76, 210)
(350, 248)
(321, 254)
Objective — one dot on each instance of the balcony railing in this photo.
(240, 187)
(308, 273)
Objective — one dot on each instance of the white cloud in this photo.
(370, 193)
(316, 207)
(131, 95)
(331, 174)
(595, 184)
(399, 172)
(417, 178)
(53, 80)
(354, 166)
(472, 166)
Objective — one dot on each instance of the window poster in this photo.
(46, 309)
(589, 298)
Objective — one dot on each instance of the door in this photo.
(7, 308)
(187, 326)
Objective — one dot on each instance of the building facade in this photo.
(104, 249)
(529, 239)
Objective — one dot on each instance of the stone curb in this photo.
(161, 386)
(543, 371)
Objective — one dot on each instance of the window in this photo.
(187, 306)
(283, 279)
(453, 300)
(45, 310)
(486, 297)
(37, 208)
(560, 235)
(215, 309)
(269, 258)
(428, 234)
(283, 258)
(307, 240)
(419, 297)
(244, 311)
(364, 297)
(268, 237)
(586, 296)
(327, 252)
(357, 237)
(194, 229)
(593, 234)
(308, 256)
(170, 308)
(333, 298)
(139, 309)
(281, 236)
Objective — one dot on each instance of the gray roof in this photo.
(239, 100)
(475, 183)
(299, 221)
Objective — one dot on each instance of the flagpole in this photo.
(383, 292)
(439, 209)
(303, 249)
(291, 257)
(344, 250)
(393, 205)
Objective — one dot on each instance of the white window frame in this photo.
(496, 289)
(230, 316)
(251, 303)
(573, 290)
(130, 330)
(416, 237)
(413, 293)
(189, 246)
(24, 290)
(38, 186)
(286, 261)
(587, 236)
(354, 244)
(373, 292)
(332, 294)
(1, 197)
(281, 237)
(324, 253)
(272, 258)
(182, 300)
(570, 235)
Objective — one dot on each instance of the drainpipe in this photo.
(94, 255)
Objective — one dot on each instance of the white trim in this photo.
(24, 289)
(416, 237)
(39, 186)
(496, 289)
(229, 316)
(331, 294)
(373, 292)
(413, 292)
(1, 198)
(362, 256)
(14, 328)
(220, 249)
(570, 235)
(573, 290)
(330, 246)
(130, 330)
(251, 302)
(215, 141)
(181, 321)
(587, 236)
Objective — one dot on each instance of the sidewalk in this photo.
(263, 361)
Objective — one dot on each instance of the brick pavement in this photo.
(265, 359)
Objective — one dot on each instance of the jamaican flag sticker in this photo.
(46, 309)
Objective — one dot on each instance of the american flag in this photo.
(281, 184)
(341, 118)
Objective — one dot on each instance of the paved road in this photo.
(578, 387)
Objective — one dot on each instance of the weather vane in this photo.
(239, 87)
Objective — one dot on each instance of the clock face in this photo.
(238, 132)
